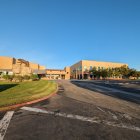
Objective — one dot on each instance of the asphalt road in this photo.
(100, 116)
(126, 90)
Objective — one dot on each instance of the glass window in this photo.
(90, 67)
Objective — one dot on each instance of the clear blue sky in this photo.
(58, 33)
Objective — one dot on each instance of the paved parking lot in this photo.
(81, 110)
(126, 90)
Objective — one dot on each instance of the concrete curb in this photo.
(7, 108)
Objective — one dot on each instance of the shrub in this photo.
(18, 78)
(26, 77)
(11, 77)
(34, 77)
(8, 77)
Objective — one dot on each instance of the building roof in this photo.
(105, 61)
(6, 70)
(54, 70)
(39, 71)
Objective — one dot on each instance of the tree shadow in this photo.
(6, 86)
(108, 93)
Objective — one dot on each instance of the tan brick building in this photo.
(58, 74)
(6, 65)
(81, 69)
(9, 65)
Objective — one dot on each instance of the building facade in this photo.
(6, 65)
(58, 74)
(10, 66)
(81, 70)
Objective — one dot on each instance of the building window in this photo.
(90, 67)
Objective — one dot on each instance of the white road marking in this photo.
(4, 123)
(83, 118)
(101, 109)
(113, 115)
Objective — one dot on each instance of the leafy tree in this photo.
(104, 73)
(134, 73)
(124, 70)
(94, 72)
(109, 72)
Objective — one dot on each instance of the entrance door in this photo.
(85, 76)
(62, 76)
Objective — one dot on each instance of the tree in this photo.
(94, 72)
(104, 73)
(124, 71)
(109, 72)
(134, 73)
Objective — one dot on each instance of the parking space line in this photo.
(101, 109)
(4, 123)
(83, 118)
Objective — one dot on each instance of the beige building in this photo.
(9, 65)
(34, 66)
(81, 69)
(58, 74)
(42, 67)
(6, 65)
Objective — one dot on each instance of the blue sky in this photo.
(58, 33)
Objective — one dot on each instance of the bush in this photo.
(18, 78)
(26, 77)
(8, 77)
(34, 77)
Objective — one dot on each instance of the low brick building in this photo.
(81, 69)
(58, 73)
(9, 65)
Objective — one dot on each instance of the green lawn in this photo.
(14, 93)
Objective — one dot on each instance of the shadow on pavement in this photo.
(114, 94)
